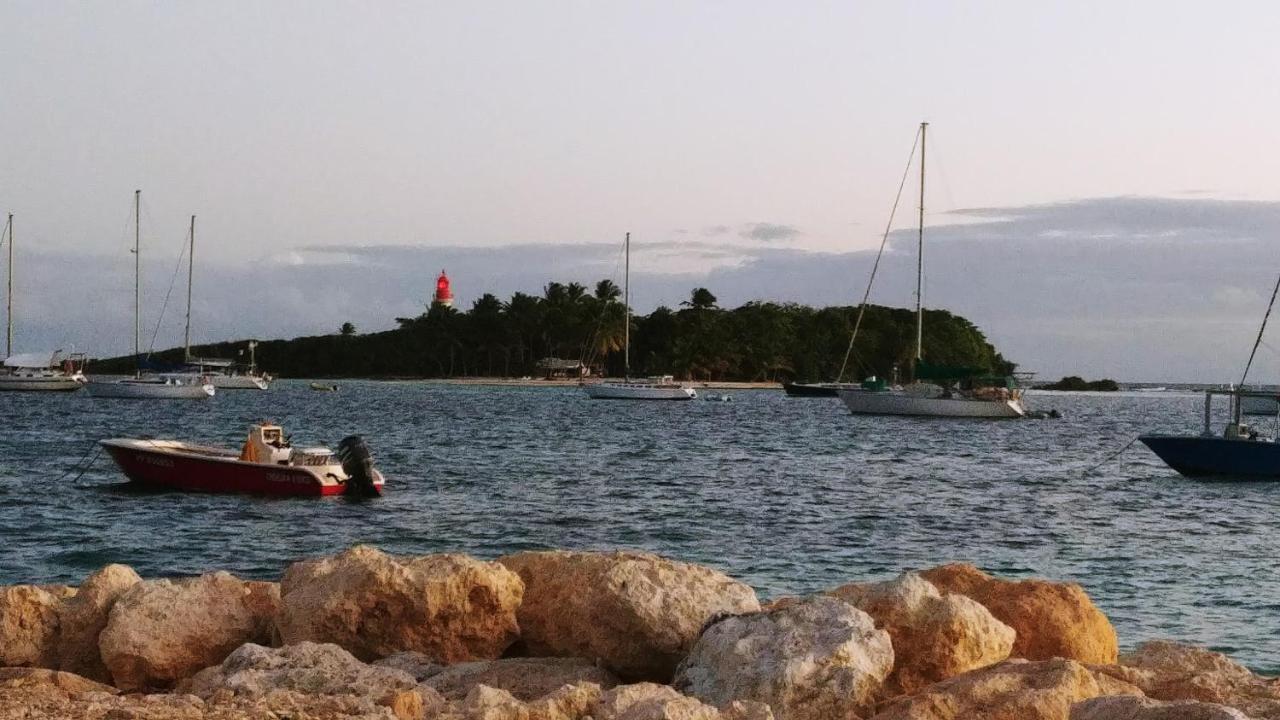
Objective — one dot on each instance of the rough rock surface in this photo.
(525, 678)
(815, 659)
(1051, 619)
(1173, 671)
(1130, 707)
(12, 678)
(1012, 690)
(82, 618)
(935, 636)
(452, 608)
(637, 613)
(28, 625)
(417, 664)
(160, 631)
(648, 701)
(255, 671)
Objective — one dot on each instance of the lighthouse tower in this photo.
(443, 296)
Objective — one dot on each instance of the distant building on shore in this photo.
(443, 296)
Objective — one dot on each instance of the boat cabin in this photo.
(266, 444)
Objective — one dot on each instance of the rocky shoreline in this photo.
(558, 635)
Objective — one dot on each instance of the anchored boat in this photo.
(267, 464)
(1239, 452)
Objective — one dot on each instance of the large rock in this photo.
(935, 636)
(1051, 619)
(311, 668)
(82, 618)
(1172, 671)
(160, 631)
(525, 678)
(28, 625)
(1129, 707)
(452, 608)
(814, 659)
(12, 678)
(648, 701)
(637, 613)
(1012, 690)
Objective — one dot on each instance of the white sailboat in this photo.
(172, 386)
(653, 388)
(953, 392)
(41, 371)
(223, 374)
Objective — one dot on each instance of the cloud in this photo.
(1134, 288)
(768, 232)
(716, 230)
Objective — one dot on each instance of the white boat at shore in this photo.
(662, 387)
(157, 387)
(937, 391)
(224, 374)
(171, 386)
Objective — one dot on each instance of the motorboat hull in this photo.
(817, 389)
(41, 383)
(239, 382)
(638, 391)
(889, 402)
(134, 390)
(1212, 456)
(168, 464)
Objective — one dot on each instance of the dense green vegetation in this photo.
(697, 341)
(1076, 383)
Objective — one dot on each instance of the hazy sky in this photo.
(726, 135)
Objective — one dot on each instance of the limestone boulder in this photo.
(13, 678)
(451, 608)
(28, 625)
(254, 671)
(1051, 619)
(417, 664)
(1176, 672)
(935, 636)
(1129, 707)
(160, 631)
(82, 618)
(525, 678)
(649, 701)
(637, 613)
(570, 702)
(818, 658)
(1012, 690)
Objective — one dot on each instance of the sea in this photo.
(791, 495)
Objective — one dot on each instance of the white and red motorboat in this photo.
(267, 465)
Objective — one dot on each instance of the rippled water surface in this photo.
(790, 495)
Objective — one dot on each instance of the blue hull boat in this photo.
(1202, 457)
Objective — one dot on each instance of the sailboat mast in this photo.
(191, 264)
(137, 273)
(8, 344)
(626, 304)
(920, 257)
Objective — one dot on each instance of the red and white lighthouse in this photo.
(443, 296)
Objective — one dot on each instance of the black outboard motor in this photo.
(357, 463)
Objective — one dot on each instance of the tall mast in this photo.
(626, 303)
(191, 264)
(8, 345)
(137, 273)
(920, 257)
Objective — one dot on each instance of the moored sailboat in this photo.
(174, 386)
(936, 391)
(42, 371)
(663, 387)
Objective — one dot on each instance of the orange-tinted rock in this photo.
(1129, 707)
(636, 613)
(1051, 619)
(28, 625)
(1175, 672)
(451, 608)
(525, 678)
(82, 619)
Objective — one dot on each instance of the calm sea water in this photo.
(790, 495)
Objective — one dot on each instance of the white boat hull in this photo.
(239, 382)
(892, 402)
(1251, 405)
(638, 391)
(134, 390)
(41, 383)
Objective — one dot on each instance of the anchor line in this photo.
(1110, 457)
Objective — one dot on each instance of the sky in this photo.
(1101, 196)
